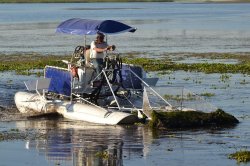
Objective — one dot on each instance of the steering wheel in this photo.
(79, 52)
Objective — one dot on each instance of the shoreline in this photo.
(122, 1)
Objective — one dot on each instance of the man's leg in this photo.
(98, 64)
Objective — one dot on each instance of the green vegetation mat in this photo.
(241, 156)
(191, 119)
(166, 64)
(24, 64)
(77, 1)
(16, 134)
(89, 1)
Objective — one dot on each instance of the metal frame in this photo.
(151, 88)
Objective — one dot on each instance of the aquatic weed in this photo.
(76, 1)
(26, 63)
(225, 77)
(240, 156)
(103, 155)
(1, 137)
(22, 63)
(244, 82)
(16, 134)
(9, 81)
(14, 130)
(187, 97)
(187, 78)
(163, 65)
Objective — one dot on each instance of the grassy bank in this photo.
(191, 119)
(77, 1)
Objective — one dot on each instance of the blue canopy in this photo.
(79, 26)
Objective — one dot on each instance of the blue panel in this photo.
(79, 26)
(129, 79)
(60, 80)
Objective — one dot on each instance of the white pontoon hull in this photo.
(33, 105)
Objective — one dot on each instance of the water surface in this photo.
(162, 27)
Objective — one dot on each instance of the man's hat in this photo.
(100, 35)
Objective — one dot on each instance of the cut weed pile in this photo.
(241, 156)
(191, 119)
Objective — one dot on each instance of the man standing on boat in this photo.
(97, 49)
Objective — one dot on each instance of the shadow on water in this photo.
(58, 141)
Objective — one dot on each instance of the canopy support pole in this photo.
(85, 41)
(157, 94)
(110, 87)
